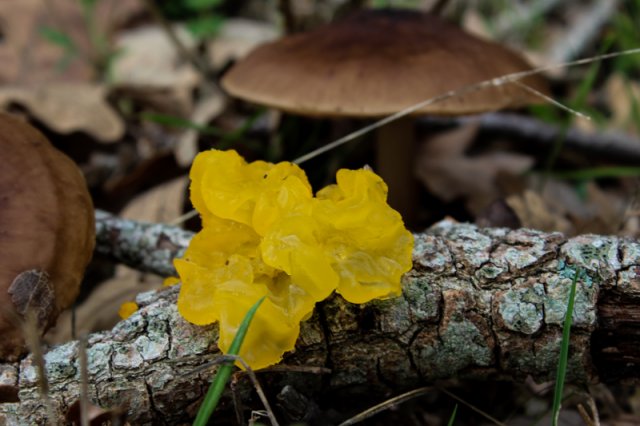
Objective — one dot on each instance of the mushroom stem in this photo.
(395, 152)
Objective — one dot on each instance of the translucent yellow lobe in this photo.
(264, 234)
(127, 309)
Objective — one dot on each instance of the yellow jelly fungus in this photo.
(229, 188)
(264, 234)
(127, 309)
(372, 252)
(170, 281)
(294, 246)
(272, 332)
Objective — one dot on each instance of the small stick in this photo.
(284, 6)
(84, 381)
(32, 337)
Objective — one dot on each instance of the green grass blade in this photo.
(227, 138)
(181, 123)
(599, 173)
(452, 419)
(59, 38)
(212, 397)
(564, 352)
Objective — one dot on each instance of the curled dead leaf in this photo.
(446, 170)
(68, 107)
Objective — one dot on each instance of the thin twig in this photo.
(32, 338)
(156, 244)
(254, 380)
(185, 217)
(472, 407)
(610, 145)
(284, 6)
(552, 101)
(84, 381)
(389, 403)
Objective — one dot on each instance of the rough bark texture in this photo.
(479, 303)
(149, 247)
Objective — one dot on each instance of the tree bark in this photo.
(479, 303)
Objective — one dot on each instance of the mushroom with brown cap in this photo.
(377, 63)
(47, 232)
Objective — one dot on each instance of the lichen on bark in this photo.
(478, 303)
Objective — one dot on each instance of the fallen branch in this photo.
(608, 145)
(148, 247)
(480, 303)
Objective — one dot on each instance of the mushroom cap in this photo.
(47, 231)
(378, 62)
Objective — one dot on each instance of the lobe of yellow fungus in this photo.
(264, 234)
(366, 239)
(272, 332)
(127, 309)
(229, 188)
(294, 246)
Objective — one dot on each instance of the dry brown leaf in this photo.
(604, 214)
(560, 208)
(237, 37)
(27, 57)
(534, 212)
(68, 107)
(150, 59)
(448, 173)
(152, 73)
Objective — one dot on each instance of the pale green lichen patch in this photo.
(467, 244)
(133, 326)
(57, 365)
(8, 375)
(558, 287)
(539, 357)
(126, 357)
(419, 303)
(489, 272)
(453, 283)
(430, 254)
(496, 233)
(596, 254)
(526, 248)
(422, 296)
(459, 346)
(152, 347)
(98, 360)
(521, 309)
(629, 280)
(630, 253)
(462, 340)
(187, 338)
